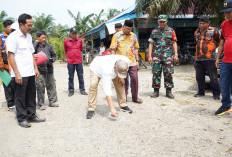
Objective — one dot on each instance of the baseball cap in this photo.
(162, 18)
(73, 30)
(227, 6)
(122, 68)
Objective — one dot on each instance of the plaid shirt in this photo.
(73, 50)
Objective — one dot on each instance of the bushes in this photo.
(58, 46)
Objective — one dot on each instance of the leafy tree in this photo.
(60, 31)
(82, 23)
(174, 7)
(97, 19)
(43, 22)
(111, 13)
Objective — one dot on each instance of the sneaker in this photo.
(126, 109)
(89, 114)
(55, 104)
(12, 108)
(222, 110)
(70, 94)
(42, 107)
(84, 93)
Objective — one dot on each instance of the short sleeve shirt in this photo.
(23, 50)
(125, 45)
(103, 67)
(227, 35)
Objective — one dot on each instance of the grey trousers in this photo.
(46, 80)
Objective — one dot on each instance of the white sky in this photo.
(58, 8)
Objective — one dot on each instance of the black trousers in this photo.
(201, 67)
(9, 92)
(25, 99)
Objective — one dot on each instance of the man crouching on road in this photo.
(108, 68)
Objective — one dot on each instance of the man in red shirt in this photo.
(226, 66)
(73, 49)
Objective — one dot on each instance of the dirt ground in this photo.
(185, 126)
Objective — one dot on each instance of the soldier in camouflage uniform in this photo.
(162, 50)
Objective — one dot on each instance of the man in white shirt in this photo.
(24, 71)
(102, 48)
(108, 68)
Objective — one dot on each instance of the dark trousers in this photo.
(133, 72)
(25, 98)
(226, 83)
(201, 68)
(71, 71)
(9, 93)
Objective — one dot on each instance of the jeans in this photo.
(225, 83)
(201, 67)
(71, 70)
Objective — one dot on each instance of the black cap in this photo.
(204, 19)
(73, 30)
(118, 25)
(227, 6)
(128, 23)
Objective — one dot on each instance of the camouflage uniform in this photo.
(162, 56)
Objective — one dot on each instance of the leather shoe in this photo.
(139, 101)
(84, 93)
(70, 94)
(199, 95)
(24, 124)
(216, 97)
(89, 114)
(36, 120)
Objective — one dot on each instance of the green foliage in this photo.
(97, 19)
(111, 13)
(58, 46)
(43, 22)
(60, 31)
(82, 23)
(173, 7)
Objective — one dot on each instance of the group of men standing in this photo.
(18, 57)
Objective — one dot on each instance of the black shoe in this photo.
(70, 94)
(156, 93)
(222, 110)
(169, 93)
(126, 109)
(89, 114)
(199, 95)
(216, 97)
(84, 93)
(25, 124)
(36, 120)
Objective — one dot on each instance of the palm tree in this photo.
(60, 31)
(174, 7)
(111, 13)
(43, 22)
(82, 23)
(97, 19)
